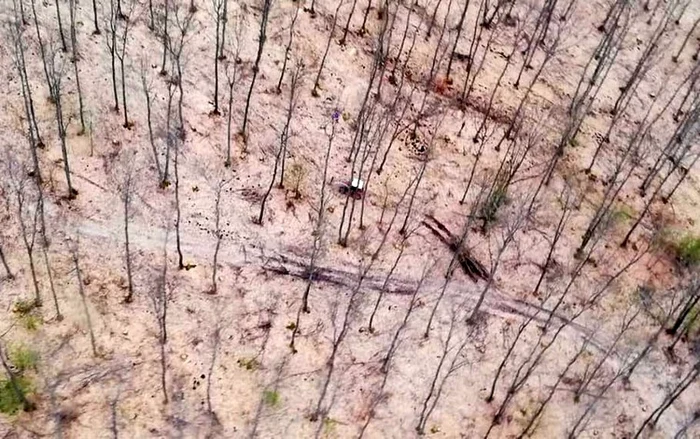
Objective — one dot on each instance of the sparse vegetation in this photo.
(393, 207)
(251, 364)
(24, 359)
(271, 398)
(10, 403)
(688, 249)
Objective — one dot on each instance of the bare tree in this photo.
(627, 321)
(184, 23)
(64, 47)
(553, 388)
(382, 291)
(288, 48)
(314, 91)
(347, 23)
(677, 390)
(460, 25)
(178, 213)
(111, 40)
(159, 302)
(218, 233)
(295, 81)
(81, 291)
(56, 68)
(28, 219)
(233, 75)
(126, 188)
(224, 21)
(74, 59)
(262, 37)
(165, 38)
(165, 182)
(218, 11)
(457, 249)
(675, 57)
(318, 233)
(8, 272)
(147, 86)
(94, 18)
(511, 228)
(16, 33)
(340, 333)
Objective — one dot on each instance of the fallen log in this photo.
(470, 265)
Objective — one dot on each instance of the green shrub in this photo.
(688, 249)
(622, 213)
(10, 403)
(24, 307)
(24, 359)
(271, 398)
(31, 322)
(248, 363)
(497, 198)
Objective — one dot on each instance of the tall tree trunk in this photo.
(262, 36)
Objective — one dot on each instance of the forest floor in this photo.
(230, 370)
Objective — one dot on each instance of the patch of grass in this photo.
(24, 358)
(693, 325)
(24, 307)
(329, 425)
(26, 314)
(30, 322)
(688, 250)
(497, 198)
(249, 363)
(622, 213)
(295, 178)
(10, 402)
(271, 398)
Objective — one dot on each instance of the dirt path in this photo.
(286, 262)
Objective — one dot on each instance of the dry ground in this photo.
(88, 396)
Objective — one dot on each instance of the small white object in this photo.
(357, 184)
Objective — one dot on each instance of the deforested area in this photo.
(350, 218)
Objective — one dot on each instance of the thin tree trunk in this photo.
(127, 252)
(318, 235)
(256, 66)
(180, 263)
(49, 274)
(60, 27)
(288, 49)
(227, 163)
(76, 56)
(347, 23)
(81, 291)
(4, 264)
(314, 91)
(165, 40)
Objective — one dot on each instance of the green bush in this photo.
(24, 359)
(30, 322)
(271, 398)
(248, 363)
(497, 198)
(24, 307)
(688, 249)
(10, 403)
